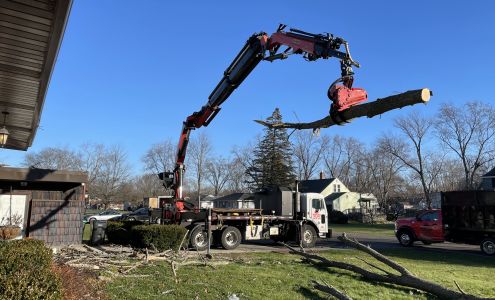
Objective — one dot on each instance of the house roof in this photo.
(30, 36)
(333, 196)
(235, 197)
(314, 185)
(32, 179)
(490, 174)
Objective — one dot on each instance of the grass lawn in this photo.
(284, 276)
(371, 229)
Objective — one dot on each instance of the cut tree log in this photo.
(369, 110)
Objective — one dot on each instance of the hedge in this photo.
(120, 232)
(337, 217)
(25, 271)
(163, 237)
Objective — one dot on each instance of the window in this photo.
(316, 203)
(431, 216)
(338, 188)
(334, 188)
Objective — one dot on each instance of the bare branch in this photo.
(330, 290)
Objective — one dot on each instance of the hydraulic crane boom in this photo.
(258, 47)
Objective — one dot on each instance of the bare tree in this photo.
(159, 157)
(53, 158)
(362, 176)
(113, 175)
(243, 160)
(218, 174)
(308, 151)
(147, 185)
(339, 157)
(409, 148)
(385, 174)
(469, 133)
(237, 182)
(451, 177)
(92, 157)
(198, 155)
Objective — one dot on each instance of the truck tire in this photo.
(199, 239)
(487, 246)
(405, 238)
(231, 238)
(308, 236)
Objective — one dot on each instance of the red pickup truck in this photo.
(466, 217)
(426, 227)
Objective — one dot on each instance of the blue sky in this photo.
(129, 72)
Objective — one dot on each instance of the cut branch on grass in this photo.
(375, 254)
(326, 288)
(405, 278)
(369, 110)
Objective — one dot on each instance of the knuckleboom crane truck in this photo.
(284, 214)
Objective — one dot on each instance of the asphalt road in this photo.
(376, 242)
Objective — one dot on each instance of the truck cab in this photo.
(314, 211)
(426, 227)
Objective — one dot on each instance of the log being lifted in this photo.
(369, 110)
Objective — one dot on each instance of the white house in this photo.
(338, 196)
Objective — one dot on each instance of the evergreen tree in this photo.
(272, 161)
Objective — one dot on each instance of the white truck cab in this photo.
(314, 209)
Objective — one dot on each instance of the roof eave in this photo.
(61, 17)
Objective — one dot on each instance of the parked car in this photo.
(426, 227)
(104, 215)
(466, 217)
(142, 214)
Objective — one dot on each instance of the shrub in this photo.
(163, 237)
(26, 271)
(119, 232)
(337, 217)
(9, 232)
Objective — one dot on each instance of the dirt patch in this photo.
(79, 284)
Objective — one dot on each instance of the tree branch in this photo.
(406, 279)
(330, 290)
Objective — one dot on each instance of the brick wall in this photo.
(57, 222)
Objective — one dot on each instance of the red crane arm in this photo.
(259, 47)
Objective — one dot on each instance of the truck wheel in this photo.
(199, 239)
(488, 246)
(308, 236)
(231, 238)
(405, 238)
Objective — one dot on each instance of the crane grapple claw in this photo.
(343, 97)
